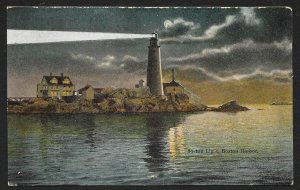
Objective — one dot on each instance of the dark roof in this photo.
(84, 88)
(59, 80)
(172, 83)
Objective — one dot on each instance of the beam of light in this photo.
(38, 36)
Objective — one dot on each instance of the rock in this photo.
(231, 106)
(15, 109)
(40, 102)
(103, 106)
(182, 98)
(133, 104)
(142, 92)
(116, 105)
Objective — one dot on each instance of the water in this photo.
(152, 149)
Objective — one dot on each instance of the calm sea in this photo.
(152, 149)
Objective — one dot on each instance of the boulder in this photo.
(116, 105)
(231, 106)
(133, 104)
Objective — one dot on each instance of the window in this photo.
(53, 80)
(66, 81)
(44, 81)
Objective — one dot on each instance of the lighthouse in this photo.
(154, 71)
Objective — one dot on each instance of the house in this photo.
(87, 92)
(172, 88)
(55, 86)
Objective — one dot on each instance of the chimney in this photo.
(51, 74)
(61, 74)
(173, 74)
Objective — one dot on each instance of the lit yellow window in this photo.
(44, 81)
(66, 81)
(53, 80)
(53, 93)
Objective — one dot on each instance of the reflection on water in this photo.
(155, 145)
(176, 141)
(158, 128)
(143, 149)
(89, 125)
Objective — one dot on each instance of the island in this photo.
(115, 101)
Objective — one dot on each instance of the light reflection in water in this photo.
(158, 127)
(176, 139)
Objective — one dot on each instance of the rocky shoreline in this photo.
(111, 105)
(116, 101)
(130, 106)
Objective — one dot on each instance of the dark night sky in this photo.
(218, 44)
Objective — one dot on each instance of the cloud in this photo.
(201, 74)
(210, 33)
(249, 16)
(177, 27)
(242, 56)
(106, 61)
(285, 45)
(275, 75)
(274, 24)
(133, 64)
(128, 58)
(82, 57)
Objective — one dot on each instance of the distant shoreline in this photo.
(281, 103)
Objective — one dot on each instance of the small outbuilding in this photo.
(87, 92)
(140, 84)
(172, 88)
